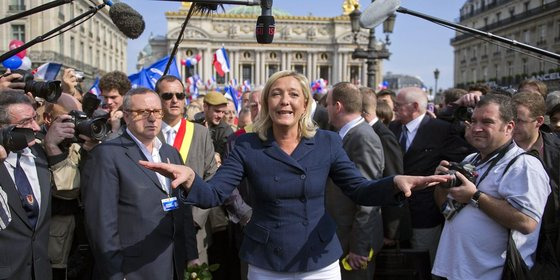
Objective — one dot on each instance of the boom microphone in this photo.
(377, 12)
(265, 28)
(127, 20)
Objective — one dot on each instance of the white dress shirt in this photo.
(27, 162)
(412, 128)
(349, 125)
(154, 156)
(166, 129)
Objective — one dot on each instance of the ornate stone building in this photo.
(318, 47)
(96, 46)
(534, 22)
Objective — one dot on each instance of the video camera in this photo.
(15, 138)
(48, 90)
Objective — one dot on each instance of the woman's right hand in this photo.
(180, 174)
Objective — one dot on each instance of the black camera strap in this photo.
(496, 156)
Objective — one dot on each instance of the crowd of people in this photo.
(294, 185)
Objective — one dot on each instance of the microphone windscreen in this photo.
(265, 29)
(377, 12)
(127, 20)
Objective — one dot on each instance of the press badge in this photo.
(169, 204)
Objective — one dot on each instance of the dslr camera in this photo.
(48, 90)
(91, 122)
(468, 170)
(14, 138)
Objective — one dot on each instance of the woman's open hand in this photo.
(180, 174)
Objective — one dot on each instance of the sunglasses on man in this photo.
(169, 95)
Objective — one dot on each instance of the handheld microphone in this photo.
(128, 21)
(377, 12)
(265, 28)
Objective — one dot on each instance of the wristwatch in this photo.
(475, 198)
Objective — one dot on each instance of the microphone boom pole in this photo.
(42, 38)
(481, 33)
(37, 9)
(233, 2)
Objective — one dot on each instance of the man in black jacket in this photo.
(528, 134)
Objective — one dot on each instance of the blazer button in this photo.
(303, 199)
(276, 178)
(302, 176)
(278, 251)
(305, 223)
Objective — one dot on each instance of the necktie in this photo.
(170, 137)
(28, 201)
(404, 137)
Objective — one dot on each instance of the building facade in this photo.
(533, 22)
(95, 46)
(318, 47)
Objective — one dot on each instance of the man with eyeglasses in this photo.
(425, 142)
(136, 226)
(529, 134)
(193, 142)
(26, 180)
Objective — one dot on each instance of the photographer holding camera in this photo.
(25, 177)
(508, 193)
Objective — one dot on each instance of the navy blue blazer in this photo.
(290, 231)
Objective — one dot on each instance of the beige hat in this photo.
(215, 98)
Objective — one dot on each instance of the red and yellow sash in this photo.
(184, 138)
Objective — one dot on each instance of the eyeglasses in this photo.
(27, 122)
(520, 121)
(169, 95)
(144, 114)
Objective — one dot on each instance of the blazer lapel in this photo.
(304, 148)
(135, 154)
(44, 177)
(13, 196)
(273, 150)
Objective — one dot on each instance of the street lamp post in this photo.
(372, 54)
(436, 76)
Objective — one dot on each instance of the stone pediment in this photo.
(190, 33)
(348, 38)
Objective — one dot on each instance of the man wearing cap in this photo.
(215, 105)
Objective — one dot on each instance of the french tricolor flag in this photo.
(221, 62)
(47, 71)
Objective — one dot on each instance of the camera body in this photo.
(79, 76)
(468, 170)
(14, 138)
(92, 127)
(48, 90)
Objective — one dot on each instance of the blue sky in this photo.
(418, 46)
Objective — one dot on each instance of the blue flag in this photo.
(95, 88)
(148, 77)
(231, 93)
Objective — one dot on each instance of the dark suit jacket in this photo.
(360, 228)
(130, 234)
(290, 229)
(321, 117)
(396, 220)
(435, 141)
(551, 161)
(23, 250)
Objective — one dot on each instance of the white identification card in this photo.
(169, 204)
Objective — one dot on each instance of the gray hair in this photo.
(135, 91)
(11, 97)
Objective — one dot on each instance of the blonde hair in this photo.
(306, 126)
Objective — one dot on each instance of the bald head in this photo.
(411, 103)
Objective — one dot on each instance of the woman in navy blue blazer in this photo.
(287, 162)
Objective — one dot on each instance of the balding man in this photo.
(425, 142)
(396, 220)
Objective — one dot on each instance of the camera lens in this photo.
(49, 90)
(98, 129)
